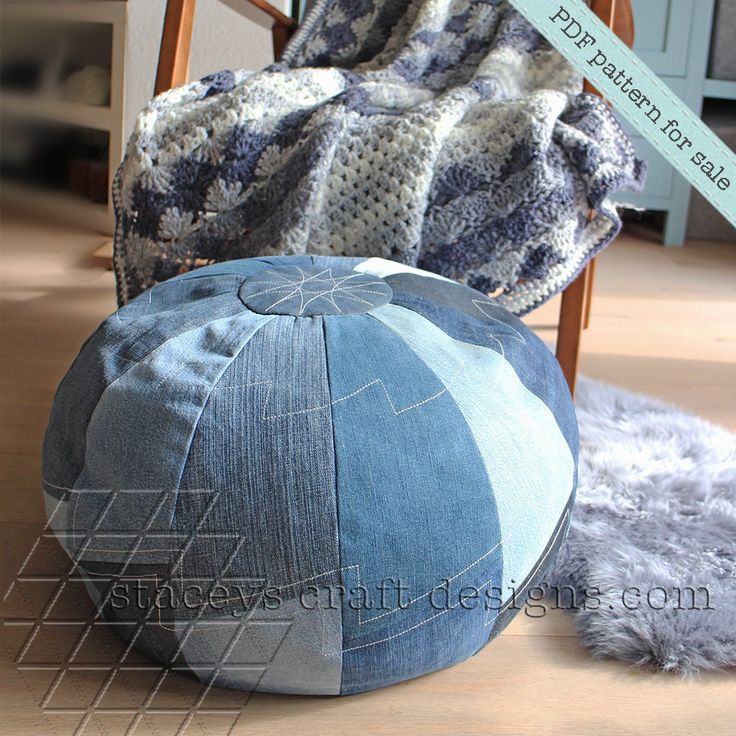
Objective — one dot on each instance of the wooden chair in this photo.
(173, 68)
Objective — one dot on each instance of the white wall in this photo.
(223, 39)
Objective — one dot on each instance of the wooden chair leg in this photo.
(570, 330)
(589, 293)
(577, 298)
(173, 60)
(280, 36)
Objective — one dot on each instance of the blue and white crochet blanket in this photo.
(444, 134)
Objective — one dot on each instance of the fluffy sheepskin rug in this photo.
(649, 565)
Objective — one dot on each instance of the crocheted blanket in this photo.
(444, 134)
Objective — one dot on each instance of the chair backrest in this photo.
(173, 60)
(176, 39)
(618, 15)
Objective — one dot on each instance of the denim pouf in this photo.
(310, 474)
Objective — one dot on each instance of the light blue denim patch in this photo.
(528, 461)
(471, 317)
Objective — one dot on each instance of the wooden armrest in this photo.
(278, 17)
(623, 22)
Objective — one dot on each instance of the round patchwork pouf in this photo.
(310, 474)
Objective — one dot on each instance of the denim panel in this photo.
(177, 294)
(58, 505)
(244, 267)
(229, 640)
(512, 604)
(114, 531)
(273, 457)
(265, 441)
(124, 338)
(385, 268)
(141, 429)
(414, 504)
(438, 635)
(528, 461)
(309, 660)
(308, 291)
(467, 315)
(143, 628)
(296, 648)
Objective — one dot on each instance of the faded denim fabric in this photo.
(526, 457)
(267, 434)
(403, 449)
(321, 475)
(471, 317)
(309, 292)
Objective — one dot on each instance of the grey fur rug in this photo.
(655, 513)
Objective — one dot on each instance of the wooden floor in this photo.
(664, 322)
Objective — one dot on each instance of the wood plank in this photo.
(176, 40)
(102, 256)
(589, 286)
(606, 11)
(572, 308)
(282, 20)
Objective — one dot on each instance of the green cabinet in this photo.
(673, 38)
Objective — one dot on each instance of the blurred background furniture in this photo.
(695, 56)
(705, 222)
(59, 147)
(61, 99)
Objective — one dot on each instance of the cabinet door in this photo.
(661, 174)
(677, 84)
(663, 34)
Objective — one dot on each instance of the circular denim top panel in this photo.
(308, 291)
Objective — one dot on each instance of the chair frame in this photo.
(173, 71)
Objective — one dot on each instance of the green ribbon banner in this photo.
(636, 92)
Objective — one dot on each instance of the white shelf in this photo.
(63, 205)
(724, 89)
(75, 12)
(37, 107)
(24, 15)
